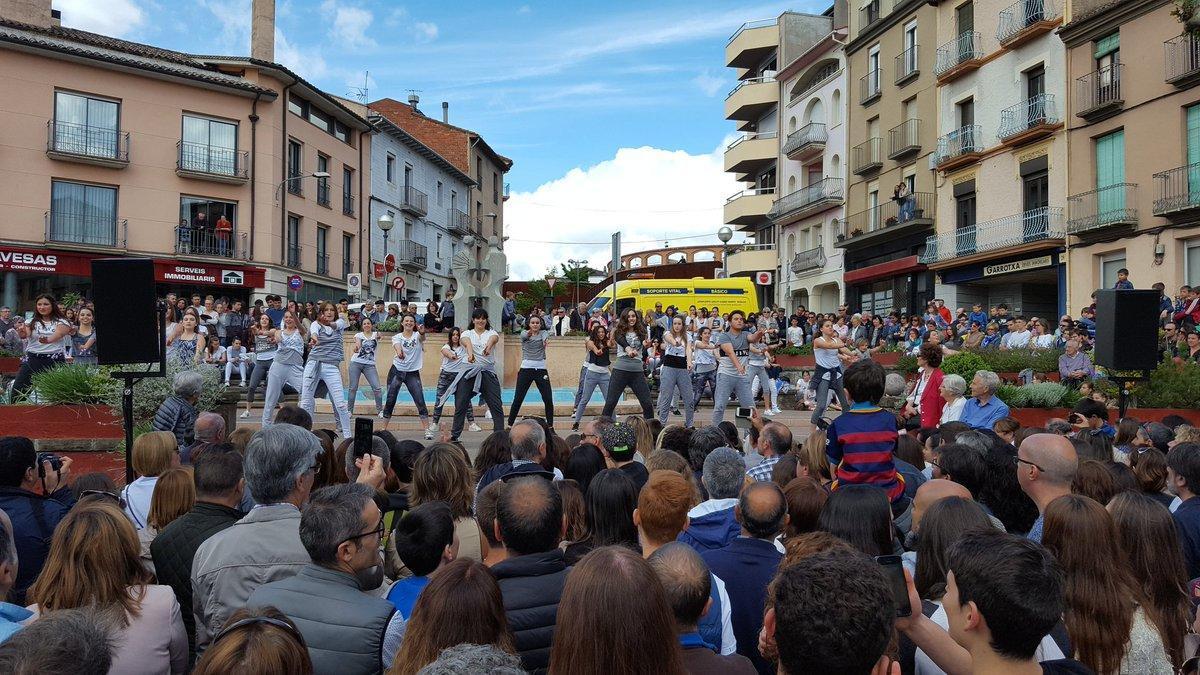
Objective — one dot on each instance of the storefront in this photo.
(234, 282)
(883, 271)
(1031, 285)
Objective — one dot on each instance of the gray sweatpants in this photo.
(727, 385)
(669, 381)
(260, 370)
(367, 370)
(444, 381)
(759, 373)
(591, 382)
(279, 375)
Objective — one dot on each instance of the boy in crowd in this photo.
(861, 440)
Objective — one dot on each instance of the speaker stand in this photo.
(132, 378)
(1124, 382)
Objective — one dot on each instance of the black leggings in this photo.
(489, 390)
(636, 381)
(34, 364)
(525, 377)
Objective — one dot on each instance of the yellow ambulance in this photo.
(644, 294)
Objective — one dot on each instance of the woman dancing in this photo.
(324, 365)
(409, 344)
(186, 344)
(362, 364)
(595, 370)
(631, 339)
(288, 365)
(43, 341)
(264, 355)
(704, 365)
(676, 372)
(83, 340)
(827, 350)
(454, 361)
(480, 374)
(533, 369)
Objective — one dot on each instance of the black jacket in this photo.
(175, 547)
(532, 586)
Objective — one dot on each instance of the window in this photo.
(908, 61)
(347, 255)
(964, 15)
(1110, 174)
(873, 205)
(454, 199)
(479, 171)
(1108, 51)
(295, 168)
(495, 188)
(83, 214)
(1109, 264)
(207, 227)
(84, 125)
(391, 168)
(320, 120)
(966, 127)
(342, 133)
(438, 250)
(322, 183)
(873, 71)
(322, 253)
(439, 193)
(347, 190)
(1191, 263)
(297, 106)
(408, 177)
(292, 259)
(209, 146)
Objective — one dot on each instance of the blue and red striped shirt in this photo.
(859, 446)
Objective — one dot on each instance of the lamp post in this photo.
(725, 234)
(386, 223)
(315, 174)
(576, 265)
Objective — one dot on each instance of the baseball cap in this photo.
(620, 440)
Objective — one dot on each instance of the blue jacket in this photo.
(712, 526)
(34, 518)
(1187, 523)
(746, 566)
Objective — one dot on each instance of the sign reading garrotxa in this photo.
(173, 271)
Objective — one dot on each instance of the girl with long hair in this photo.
(409, 345)
(454, 361)
(704, 365)
(533, 369)
(43, 341)
(288, 366)
(611, 499)
(362, 364)
(324, 365)
(174, 495)
(259, 339)
(154, 453)
(1106, 614)
(862, 516)
(1150, 469)
(213, 354)
(441, 474)
(83, 340)
(630, 339)
(595, 370)
(261, 641)
(186, 345)
(676, 372)
(827, 351)
(480, 374)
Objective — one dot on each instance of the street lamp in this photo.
(725, 234)
(315, 174)
(386, 223)
(494, 232)
(576, 265)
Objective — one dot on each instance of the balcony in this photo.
(868, 156)
(751, 258)
(1099, 93)
(1178, 192)
(958, 57)
(960, 148)
(322, 191)
(295, 184)
(749, 207)
(347, 204)
(1027, 20)
(506, 191)
(807, 200)
(870, 87)
(751, 152)
(205, 243)
(323, 263)
(889, 220)
(458, 222)
(1035, 229)
(211, 162)
(415, 201)
(1103, 208)
(1183, 60)
(412, 255)
(100, 146)
(904, 139)
(1028, 121)
(807, 261)
(751, 98)
(751, 43)
(85, 231)
(292, 256)
(907, 65)
(806, 142)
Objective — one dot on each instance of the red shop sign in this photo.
(47, 262)
(172, 271)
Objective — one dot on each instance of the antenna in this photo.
(360, 93)
(414, 97)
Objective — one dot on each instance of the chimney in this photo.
(413, 98)
(34, 12)
(446, 112)
(262, 30)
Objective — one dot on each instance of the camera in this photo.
(55, 463)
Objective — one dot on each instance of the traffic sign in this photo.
(353, 283)
(389, 263)
(550, 281)
(763, 278)
(295, 282)
(377, 269)
(398, 283)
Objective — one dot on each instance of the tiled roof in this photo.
(449, 141)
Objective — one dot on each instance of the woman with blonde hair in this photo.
(94, 561)
(814, 463)
(643, 433)
(154, 453)
(174, 495)
(441, 474)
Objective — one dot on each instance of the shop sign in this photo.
(1017, 266)
(233, 278)
(169, 271)
(28, 262)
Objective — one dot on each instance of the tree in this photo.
(576, 275)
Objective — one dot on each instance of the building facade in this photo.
(1001, 157)
(1133, 125)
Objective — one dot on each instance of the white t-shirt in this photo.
(414, 352)
(38, 329)
(457, 365)
(366, 350)
(1047, 651)
(478, 342)
(795, 336)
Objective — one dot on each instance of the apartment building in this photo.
(1133, 125)
(891, 133)
(202, 163)
(1001, 168)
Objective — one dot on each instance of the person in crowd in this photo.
(984, 407)
(209, 431)
(485, 515)
(325, 356)
(529, 522)
(1074, 366)
(635, 632)
(951, 390)
(1123, 283)
(213, 354)
(630, 339)
(528, 452)
(594, 374)
(454, 361)
(713, 523)
(748, 563)
(585, 461)
(177, 414)
(261, 641)
(345, 625)
(174, 495)
(409, 346)
(74, 641)
(704, 364)
(1018, 337)
(479, 376)
(425, 542)
(43, 338)
(611, 500)
(36, 498)
(676, 374)
(154, 453)
(617, 442)
(1183, 477)
(1105, 610)
(235, 356)
(861, 516)
(295, 416)
(774, 441)
(12, 617)
(926, 401)
(94, 561)
(259, 339)
(1046, 465)
(828, 349)
(362, 364)
(83, 339)
(860, 442)
(1090, 418)
(533, 369)
(287, 368)
(441, 474)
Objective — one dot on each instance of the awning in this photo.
(890, 268)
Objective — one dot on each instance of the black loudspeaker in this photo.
(126, 311)
(1127, 329)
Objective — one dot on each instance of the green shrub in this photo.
(149, 394)
(389, 326)
(803, 350)
(1016, 360)
(907, 365)
(1170, 385)
(965, 364)
(1041, 395)
(75, 385)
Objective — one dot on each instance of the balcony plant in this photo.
(856, 231)
(1186, 12)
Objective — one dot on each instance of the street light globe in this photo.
(320, 174)
(386, 222)
(724, 234)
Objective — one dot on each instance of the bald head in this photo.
(528, 441)
(685, 579)
(1054, 455)
(935, 490)
(529, 516)
(762, 510)
(210, 428)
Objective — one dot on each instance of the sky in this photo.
(612, 112)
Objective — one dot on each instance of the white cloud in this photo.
(348, 24)
(117, 18)
(648, 194)
(524, 9)
(425, 31)
(307, 63)
(708, 83)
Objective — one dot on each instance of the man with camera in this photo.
(34, 494)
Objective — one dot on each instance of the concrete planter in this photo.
(9, 365)
(65, 428)
(1037, 417)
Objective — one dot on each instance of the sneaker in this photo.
(776, 410)
(675, 412)
(474, 427)
(245, 414)
(487, 415)
(768, 412)
(432, 427)
(575, 426)
(824, 423)
(380, 414)
(429, 434)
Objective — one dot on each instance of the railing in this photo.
(206, 241)
(1023, 14)
(918, 206)
(322, 263)
(749, 193)
(760, 23)
(822, 190)
(1099, 89)
(815, 86)
(292, 256)
(1021, 228)
(1182, 57)
(813, 258)
(753, 80)
(295, 183)
(809, 134)
(412, 253)
(868, 14)
(904, 138)
(869, 86)
(1028, 114)
(457, 221)
(322, 191)
(81, 140)
(347, 203)
(506, 190)
(964, 48)
(416, 200)
(211, 159)
(868, 155)
(907, 64)
(1178, 189)
(1111, 205)
(964, 141)
(752, 136)
(75, 228)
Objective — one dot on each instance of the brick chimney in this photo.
(262, 30)
(35, 12)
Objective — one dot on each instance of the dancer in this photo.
(704, 365)
(235, 355)
(324, 365)
(83, 340)
(676, 374)
(756, 367)
(733, 346)
(827, 350)
(631, 339)
(288, 366)
(409, 344)
(454, 361)
(185, 346)
(362, 363)
(533, 369)
(264, 355)
(595, 370)
(43, 341)
(479, 375)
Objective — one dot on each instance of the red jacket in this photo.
(932, 401)
(1190, 310)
